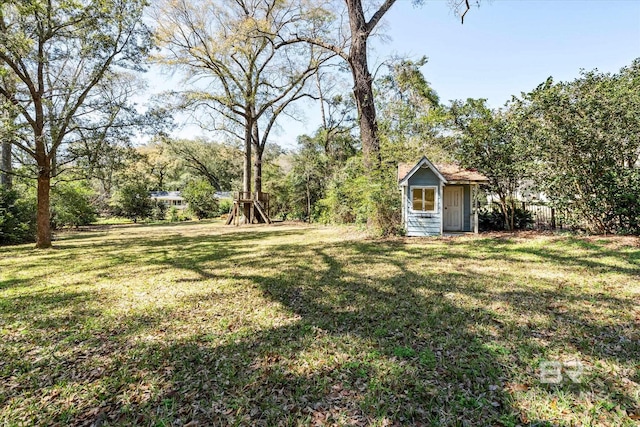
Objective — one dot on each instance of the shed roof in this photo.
(451, 172)
(454, 172)
(404, 169)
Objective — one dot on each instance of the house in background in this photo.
(437, 199)
(170, 198)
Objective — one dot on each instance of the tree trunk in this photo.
(363, 92)
(257, 170)
(160, 181)
(246, 177)
(363, 88)
(323, 116)
(5, 166)
(505, 212)
(6, 179)
(308, 202)
(43, 225)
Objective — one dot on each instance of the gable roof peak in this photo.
(406, 170)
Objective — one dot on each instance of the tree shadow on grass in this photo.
(402, 349)
(375, 334)
(14, 283)
(407, 348)
(574, 253)
(371, 361)
(83, 255)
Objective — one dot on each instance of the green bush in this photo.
(159, 211)
(620, 193)
(132, 201)
(17, 218)
(345, 202)
(385, 205)
(71, 205)
(224, 206)
(200, 195)
(492, 219)
(356, 197)
(586, 135)
(174, 215)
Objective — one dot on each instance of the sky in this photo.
(504, 47)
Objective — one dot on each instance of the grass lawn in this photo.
(201, 324)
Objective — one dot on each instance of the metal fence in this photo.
(544, 217)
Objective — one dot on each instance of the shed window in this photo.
(424, 199)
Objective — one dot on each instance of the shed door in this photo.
(453, 208)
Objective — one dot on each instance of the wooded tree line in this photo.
(68, 71)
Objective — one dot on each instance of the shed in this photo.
(439, 198)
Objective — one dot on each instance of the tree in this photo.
(109, 170)
(493, 141)
(7, 134)
(5, 163)
(338, 114)
(160, 163)
(353, 50)
(311, 173)
(411, 117)
(245, 68)
(201, 197)
(101, 152)
(71, 205)
(219, 164)
(587, 134)
(351, 46)
(64, 57)
(17, 217)
(132, 201)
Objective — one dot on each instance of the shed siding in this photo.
(424, 176)
(466, 211)
(423, 224)
(417, 226)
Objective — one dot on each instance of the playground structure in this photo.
(249, 208)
